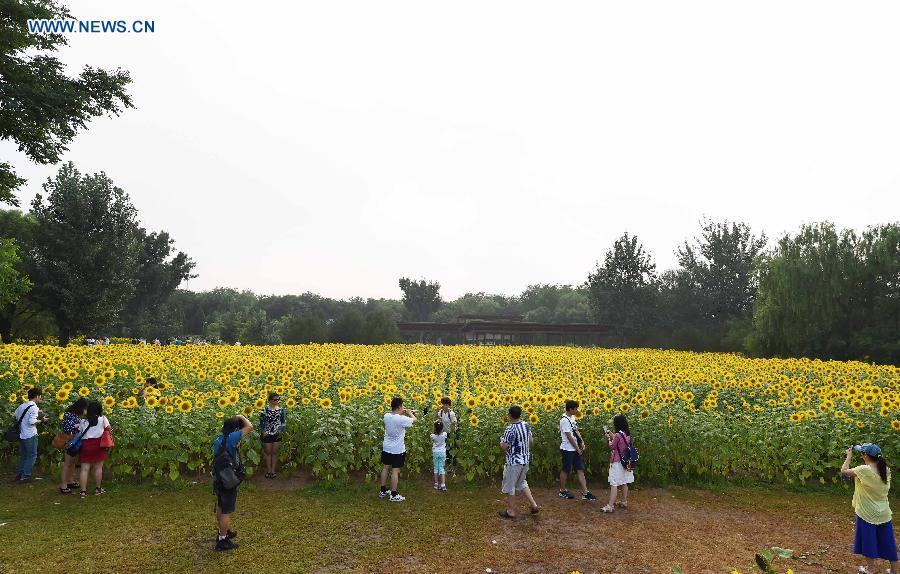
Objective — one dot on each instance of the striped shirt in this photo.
(516, 438)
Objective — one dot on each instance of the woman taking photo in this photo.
(71, 425)
(874, 530)
(271, 425)
(619, 443)
(92, 454)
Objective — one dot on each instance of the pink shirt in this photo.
(618, 446)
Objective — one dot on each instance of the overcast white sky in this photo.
(336, 146)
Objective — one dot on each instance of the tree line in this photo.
(80, 263)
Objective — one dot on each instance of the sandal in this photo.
(73, 485)
(83, 494)
(66, 490)
(536, 509)
(98, 491)
(506, 514)
(608, 509)
(622, 505)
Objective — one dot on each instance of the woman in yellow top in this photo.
(874, 530)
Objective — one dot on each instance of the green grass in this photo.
(140, 528)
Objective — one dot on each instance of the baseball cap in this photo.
(868, 448)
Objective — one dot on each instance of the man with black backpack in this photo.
(228, 472)
(27, 418)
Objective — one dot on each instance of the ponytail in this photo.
(882, 468)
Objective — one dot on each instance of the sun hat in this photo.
(868, 448)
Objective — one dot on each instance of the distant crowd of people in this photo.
(85, 435)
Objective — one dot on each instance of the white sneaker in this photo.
(397, 498)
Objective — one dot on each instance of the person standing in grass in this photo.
(272, 423)
(874, 529)
(393, 449)
(619, 443)
(28, 417)
(516, 445)
(71, 425)
(233, 431)
(439, 456)
(92, 455)
(572, 449)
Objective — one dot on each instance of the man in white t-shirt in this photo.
(28, 417)
(451, 425)
(571, 448)
(393, 450)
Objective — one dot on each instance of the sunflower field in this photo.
(693, 416)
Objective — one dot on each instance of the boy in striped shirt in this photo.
(516, 444)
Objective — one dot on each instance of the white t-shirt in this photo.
(394, 432)
(567, 424)
(95, 431)
(439, 443)
(448, 418)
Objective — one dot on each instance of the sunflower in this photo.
(185, 406)
(109, 401)
(170, 409)
(473, 420)
(84, 391)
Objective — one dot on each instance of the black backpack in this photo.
(227, 473)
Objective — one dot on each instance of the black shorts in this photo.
(226, 500)
(393, 460)
(266, 438)
(571, 460)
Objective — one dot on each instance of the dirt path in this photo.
(700, 531)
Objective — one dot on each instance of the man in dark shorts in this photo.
(233, 431)
(393, 450)
(571, 449)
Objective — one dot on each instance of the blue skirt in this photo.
(875, 540)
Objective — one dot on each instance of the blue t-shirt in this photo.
(231, 444)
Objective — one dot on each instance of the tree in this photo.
(623, 289)
(41, 108)
(86, 244)
(18, 311)
(421, 298)
(720, 267)
(831, 294)
(158, 276)
(380, 328)
(307, 328)
(12, 283)
(348, 328)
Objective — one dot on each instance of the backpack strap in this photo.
(627, 442)
(22, 417)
